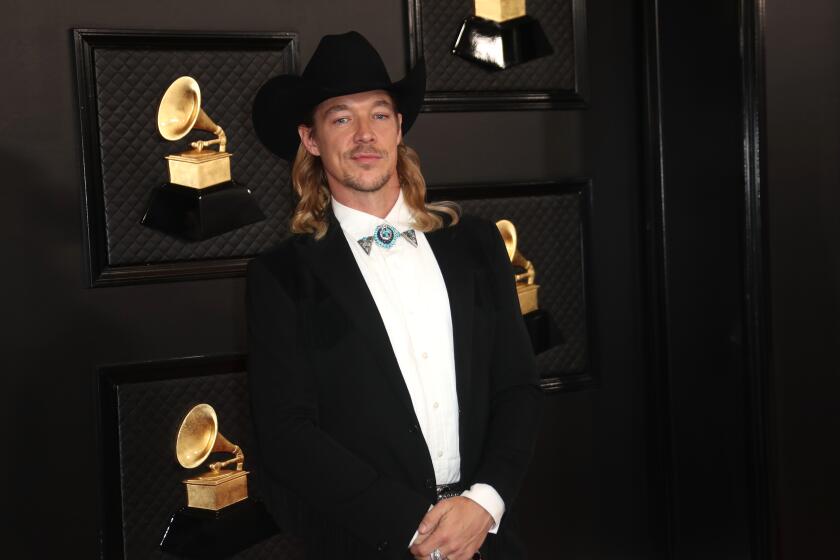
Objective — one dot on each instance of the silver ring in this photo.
(436, 555)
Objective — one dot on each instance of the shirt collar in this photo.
(360, 224)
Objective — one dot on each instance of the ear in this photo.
(308, 140)
(399, 128)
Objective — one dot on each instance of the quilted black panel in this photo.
(440, 22)
(149, 416)
(129, 85)
(549, 235)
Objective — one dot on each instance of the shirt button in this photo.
(382, 547)
(440, 453)
(435, 405)
(424, 355)
(430, 483)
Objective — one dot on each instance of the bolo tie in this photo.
(385, 236)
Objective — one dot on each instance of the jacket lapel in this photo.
(460, 286)
(332, 261)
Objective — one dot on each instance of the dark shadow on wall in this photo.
(50, 380)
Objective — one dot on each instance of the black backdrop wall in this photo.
(587, 493)
(803, 136)
(607, 481)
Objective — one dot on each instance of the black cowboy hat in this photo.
(341, 65)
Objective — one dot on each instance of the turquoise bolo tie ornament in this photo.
(386, 236)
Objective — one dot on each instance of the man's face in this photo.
(356, 137)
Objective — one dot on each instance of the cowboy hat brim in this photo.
(286, 101)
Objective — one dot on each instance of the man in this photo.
(392, 381)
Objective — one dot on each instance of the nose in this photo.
(364, 132)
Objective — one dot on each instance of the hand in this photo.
(457, 526)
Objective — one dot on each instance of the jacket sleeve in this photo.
(515, 396)
(295, 452)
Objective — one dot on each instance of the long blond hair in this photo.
(310, 184)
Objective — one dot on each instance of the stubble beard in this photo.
(355, 183)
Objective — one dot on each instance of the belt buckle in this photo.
(445, 491)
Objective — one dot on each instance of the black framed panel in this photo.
(551, 220)
(121, 77)
(142, 406)
(556, 81)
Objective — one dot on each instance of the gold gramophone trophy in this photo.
(200, 200)
(501, 34)
(536, 320)
(526, 289)
(198, 437)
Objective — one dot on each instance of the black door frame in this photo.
(753, 339)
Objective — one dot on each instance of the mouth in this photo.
(366, 157)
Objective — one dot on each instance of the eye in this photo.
(341, 120)
(381, 116)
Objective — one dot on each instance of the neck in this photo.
(377, 203)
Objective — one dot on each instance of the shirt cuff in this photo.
(487, 497)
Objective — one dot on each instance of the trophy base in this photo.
(198, 533)
(499, 45)
(500, 10)
(199, 169)
(527, 297)
(196, 214)
(216, 491)
(539, 330)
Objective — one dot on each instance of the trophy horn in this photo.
(199, 436)
(180, 112)
(508, 231)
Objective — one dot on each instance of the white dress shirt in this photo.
(410, 294)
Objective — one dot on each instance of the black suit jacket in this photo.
(336, 430)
